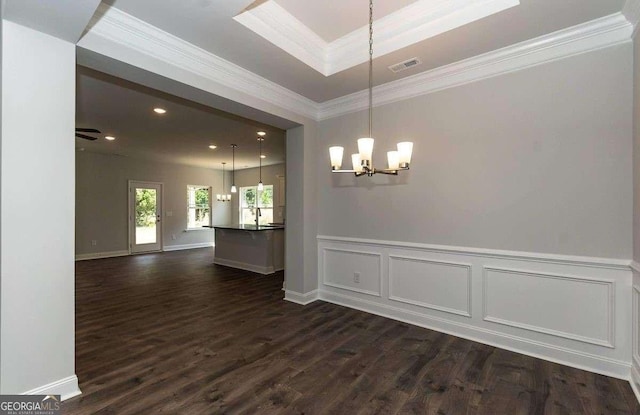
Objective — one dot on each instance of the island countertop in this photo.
(252, 228)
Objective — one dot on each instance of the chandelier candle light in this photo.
(224, 197)
(233, 172)
(362, 161)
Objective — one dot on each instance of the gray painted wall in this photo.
(37, 274)
(636, 148)
(301, 252)
(250, 177)
(1, 54)
(537, 160)
(101, 200)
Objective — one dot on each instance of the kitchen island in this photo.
(253, 248)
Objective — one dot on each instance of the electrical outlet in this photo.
(94, 242)
(173, 236)
(169, 214)
(356, 277)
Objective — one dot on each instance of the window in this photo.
(248, 205)
(198, 206)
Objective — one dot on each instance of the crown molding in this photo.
(116, 26)
(278, 26)
(631, 11)
(411, 24)
(119, 27)
(593, 35)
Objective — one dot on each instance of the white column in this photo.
(37, 201)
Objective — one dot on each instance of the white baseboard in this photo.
(635, 381)
(245, 266)
(585, 361)
(299, 298)
(187, 246)
(67, 388)
(98, 255)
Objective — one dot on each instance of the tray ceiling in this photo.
(210, 25)
(395, 30)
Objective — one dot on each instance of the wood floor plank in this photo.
(173, 333)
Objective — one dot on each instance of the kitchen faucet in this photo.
(258, 214)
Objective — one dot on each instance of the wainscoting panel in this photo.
(449, 284)
(635, 367)
(352, 270)
(567, 309)
(572, 307)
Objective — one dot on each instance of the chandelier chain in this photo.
(370, 68)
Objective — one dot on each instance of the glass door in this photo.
(145, 214)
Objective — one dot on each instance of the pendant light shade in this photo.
(223, 197)
(260, 140)
(233, 171)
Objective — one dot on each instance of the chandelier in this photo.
(363, 160)
(223, 197)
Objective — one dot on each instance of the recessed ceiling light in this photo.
(262, 156)
(261, 133)
(212, 147)
(159, 110)
(109, 137)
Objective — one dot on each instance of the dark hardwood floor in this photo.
(173, 333)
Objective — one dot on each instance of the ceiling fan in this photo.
(79, 134)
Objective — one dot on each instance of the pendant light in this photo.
(363, 160)
(233, 172)
(223, 197)
(260, 185)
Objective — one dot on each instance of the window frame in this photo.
(241, 198)
(196, 206)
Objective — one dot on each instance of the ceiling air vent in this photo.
(402, 66)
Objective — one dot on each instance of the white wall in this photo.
(537, 160)
(635, 372)
(249, 177)
(101, 201)
(37, 208)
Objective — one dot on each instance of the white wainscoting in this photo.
(449, 284)
(546, 303)
(635, 367)
(567, 309)
(341, 265)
